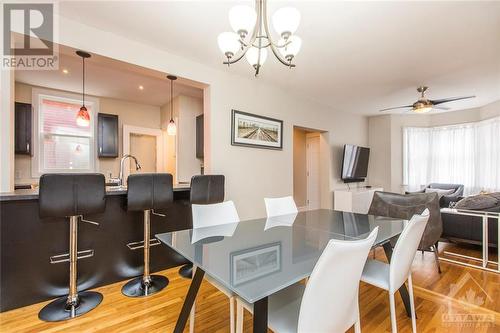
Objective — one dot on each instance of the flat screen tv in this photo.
(355, 163)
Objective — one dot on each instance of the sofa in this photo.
(468, 229)
(445, 200)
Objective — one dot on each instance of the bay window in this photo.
(467, 154)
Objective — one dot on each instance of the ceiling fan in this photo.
(424, 105)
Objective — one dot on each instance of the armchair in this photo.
(405, 206)
(445, 199)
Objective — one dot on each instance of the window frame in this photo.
(38, 94)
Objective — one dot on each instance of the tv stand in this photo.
(354, 200)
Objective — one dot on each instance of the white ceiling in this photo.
(356, 56)
(105, 77)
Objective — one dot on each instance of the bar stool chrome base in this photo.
(59, 309)
(137, 288)
(186, 271)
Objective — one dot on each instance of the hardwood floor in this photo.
(477, 295)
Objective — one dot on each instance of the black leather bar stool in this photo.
(147, 192)
(71, 196)
(205, 190)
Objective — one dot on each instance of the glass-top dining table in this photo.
(257, 258)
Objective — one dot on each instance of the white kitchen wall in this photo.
(128, 113)
(187, 163)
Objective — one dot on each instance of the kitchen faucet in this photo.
(122, 163)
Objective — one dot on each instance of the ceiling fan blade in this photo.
(397, 107)
(451, 99)
(441, 107)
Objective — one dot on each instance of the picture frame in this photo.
(251, 130)
(254, 263)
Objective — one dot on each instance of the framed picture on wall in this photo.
(256, 131)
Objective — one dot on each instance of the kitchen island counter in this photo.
(28, 241)
(30, 194)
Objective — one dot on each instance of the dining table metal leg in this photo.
(189, 301)
(403, 291)
(260, 316)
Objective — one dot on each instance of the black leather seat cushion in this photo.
(64, 195)
(149, 191)
(207, 189)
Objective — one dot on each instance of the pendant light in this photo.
(83, 116)
(172, 128)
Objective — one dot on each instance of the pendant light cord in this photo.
(83, 91)
(171, 99)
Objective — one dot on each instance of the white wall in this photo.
(7, 130)
(187, 163)
(251, 174)
(386, 139)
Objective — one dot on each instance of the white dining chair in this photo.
(215, 216)
(329, 301)
(392, 276)
(280, 206)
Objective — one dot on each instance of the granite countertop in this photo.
(29, 194)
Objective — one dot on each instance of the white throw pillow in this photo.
(439, 191)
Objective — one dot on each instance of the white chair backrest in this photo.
(280, 206)
(330, 301)
(214, 214)
(405, 250)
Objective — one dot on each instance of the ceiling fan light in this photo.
(252, 56)
(242, 19)
(423, 109)
(292, 48)
(228, 43)
(286, 20)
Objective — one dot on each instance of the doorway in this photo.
(146, 144)
(307, 168)
(143, 147)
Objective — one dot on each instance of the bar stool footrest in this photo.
(140, 245)
(65, 257)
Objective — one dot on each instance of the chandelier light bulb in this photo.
(228, 43)
(292, 48)
(286, 20)
(242, 20)
(252, 56)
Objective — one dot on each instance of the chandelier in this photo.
(252, 38)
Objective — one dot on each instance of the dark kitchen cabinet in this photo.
(23, 122)
(107, 135)
(199, 136)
